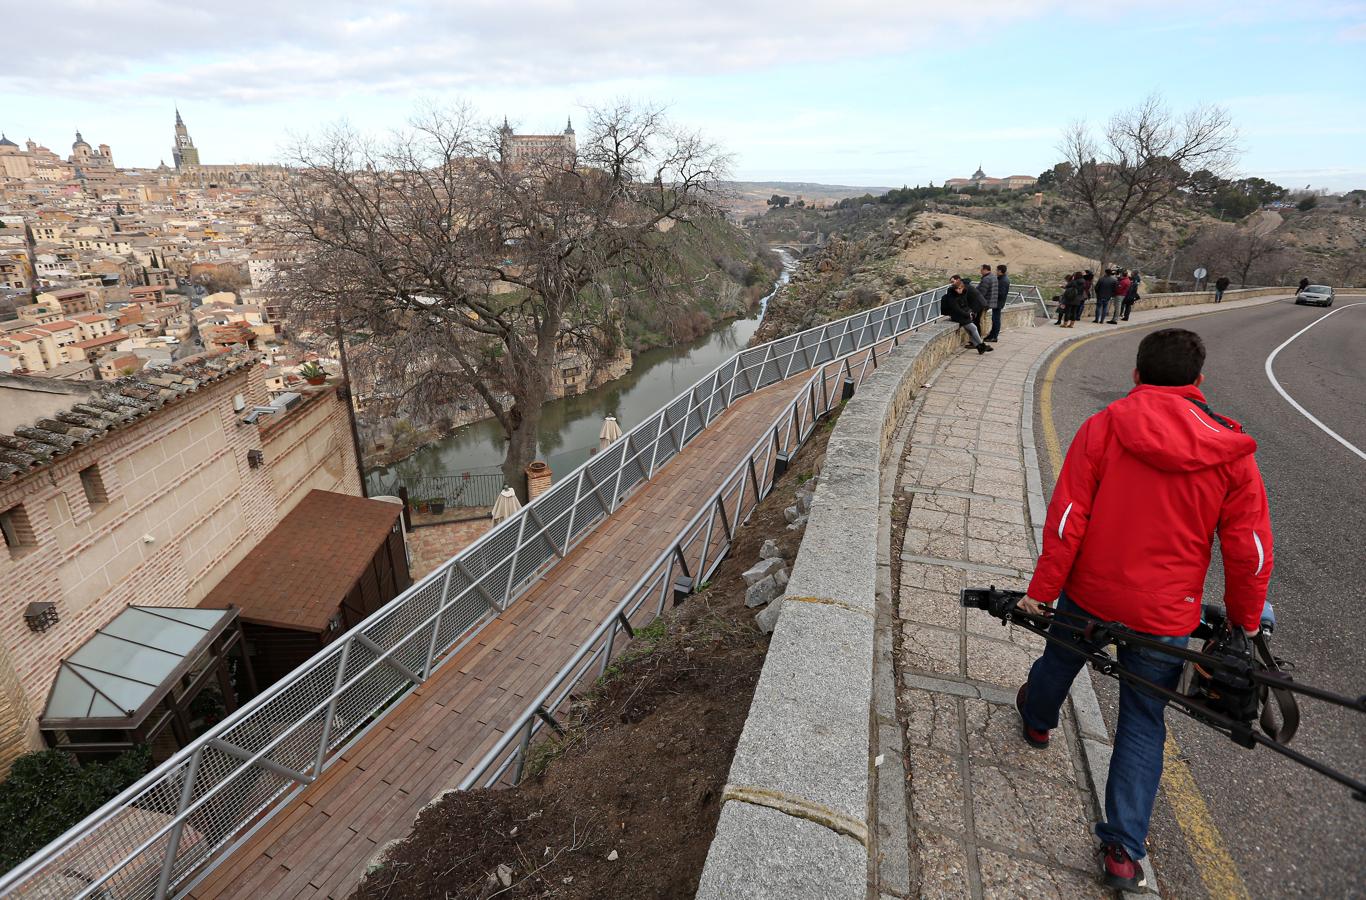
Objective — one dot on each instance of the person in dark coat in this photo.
(998, 311)
(1131, 295)
(1219, 287)
(1304, 283)
(1073, 299)
(1105, 292)
(1089, 286)
(958, 305)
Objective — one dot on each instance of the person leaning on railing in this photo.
(958, 305)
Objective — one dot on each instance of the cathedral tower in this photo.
(184, 153)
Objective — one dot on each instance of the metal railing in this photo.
(153, 838)
(455, 491)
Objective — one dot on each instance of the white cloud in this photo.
(252, 50)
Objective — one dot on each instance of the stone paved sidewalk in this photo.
(988, 815)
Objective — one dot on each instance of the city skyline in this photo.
(869, 96)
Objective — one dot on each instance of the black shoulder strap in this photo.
(1212, 414)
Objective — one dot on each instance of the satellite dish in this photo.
(1200, 273)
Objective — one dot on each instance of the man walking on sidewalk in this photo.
(1153, 475)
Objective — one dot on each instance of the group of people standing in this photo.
(1115, 293)
(965, 304)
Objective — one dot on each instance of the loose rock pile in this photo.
(768, 577)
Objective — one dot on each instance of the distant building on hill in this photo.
(521, 150)
(980, 181)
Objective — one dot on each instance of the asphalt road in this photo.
(1288, 831)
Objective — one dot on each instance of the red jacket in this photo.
(1146, 484)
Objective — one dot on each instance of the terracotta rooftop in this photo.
(96, 408)
(299, 574)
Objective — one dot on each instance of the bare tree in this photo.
(462, 266)
(1144, 157)
(1240, 249)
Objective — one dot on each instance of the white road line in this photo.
(1291, 400)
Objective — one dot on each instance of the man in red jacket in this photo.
(1146, 484)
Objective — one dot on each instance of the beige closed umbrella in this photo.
(506, 506)
(610, 432)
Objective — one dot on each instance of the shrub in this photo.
(47, 792)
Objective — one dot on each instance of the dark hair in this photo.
(1171, 357)
(1001, 268)
(987, 266)
(957, 278)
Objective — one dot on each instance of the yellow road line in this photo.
(1213, 862)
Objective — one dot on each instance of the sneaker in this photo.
(1121, 872)
(1113, 322)
(991, 340)
(1033, 736)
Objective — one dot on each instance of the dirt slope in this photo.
(948, 244)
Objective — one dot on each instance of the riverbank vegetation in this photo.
(463, 271)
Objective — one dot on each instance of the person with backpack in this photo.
(1073, 299)
(1146, 485)
(1105, 291)
(958, 304)
(1121, 298)
(1219, 287)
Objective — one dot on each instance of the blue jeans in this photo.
(1101, 307)
(1136, 763)
(996, 314)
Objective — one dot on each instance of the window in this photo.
(93, 485)
(17, 532)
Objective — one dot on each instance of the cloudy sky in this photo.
(836, 91)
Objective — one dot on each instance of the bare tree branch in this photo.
(1142, 159)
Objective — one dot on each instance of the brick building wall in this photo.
(183, 507)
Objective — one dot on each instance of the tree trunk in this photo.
(525, 421)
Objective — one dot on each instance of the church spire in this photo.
(178, 120)
(568, 125)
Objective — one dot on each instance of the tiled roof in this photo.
(107, 406)
(299, 574)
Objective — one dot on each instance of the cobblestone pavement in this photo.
(988, 816)
(431, 545)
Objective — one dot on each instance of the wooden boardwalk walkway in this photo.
(321, 843)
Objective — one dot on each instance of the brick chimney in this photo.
(538, 479)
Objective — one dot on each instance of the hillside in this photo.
(719, 271)
(894, 258)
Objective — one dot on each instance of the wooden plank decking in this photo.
(321, 843)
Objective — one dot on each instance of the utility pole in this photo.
(350, 405)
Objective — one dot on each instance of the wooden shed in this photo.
(332, 561)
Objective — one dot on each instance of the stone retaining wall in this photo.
(795, 811)
(1194, 298)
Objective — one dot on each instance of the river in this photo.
(569, 426)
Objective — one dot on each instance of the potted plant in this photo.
(313, 373)
(437, 505)
(420, 505)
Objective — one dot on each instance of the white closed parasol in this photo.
(610, 432)
(506, 506)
